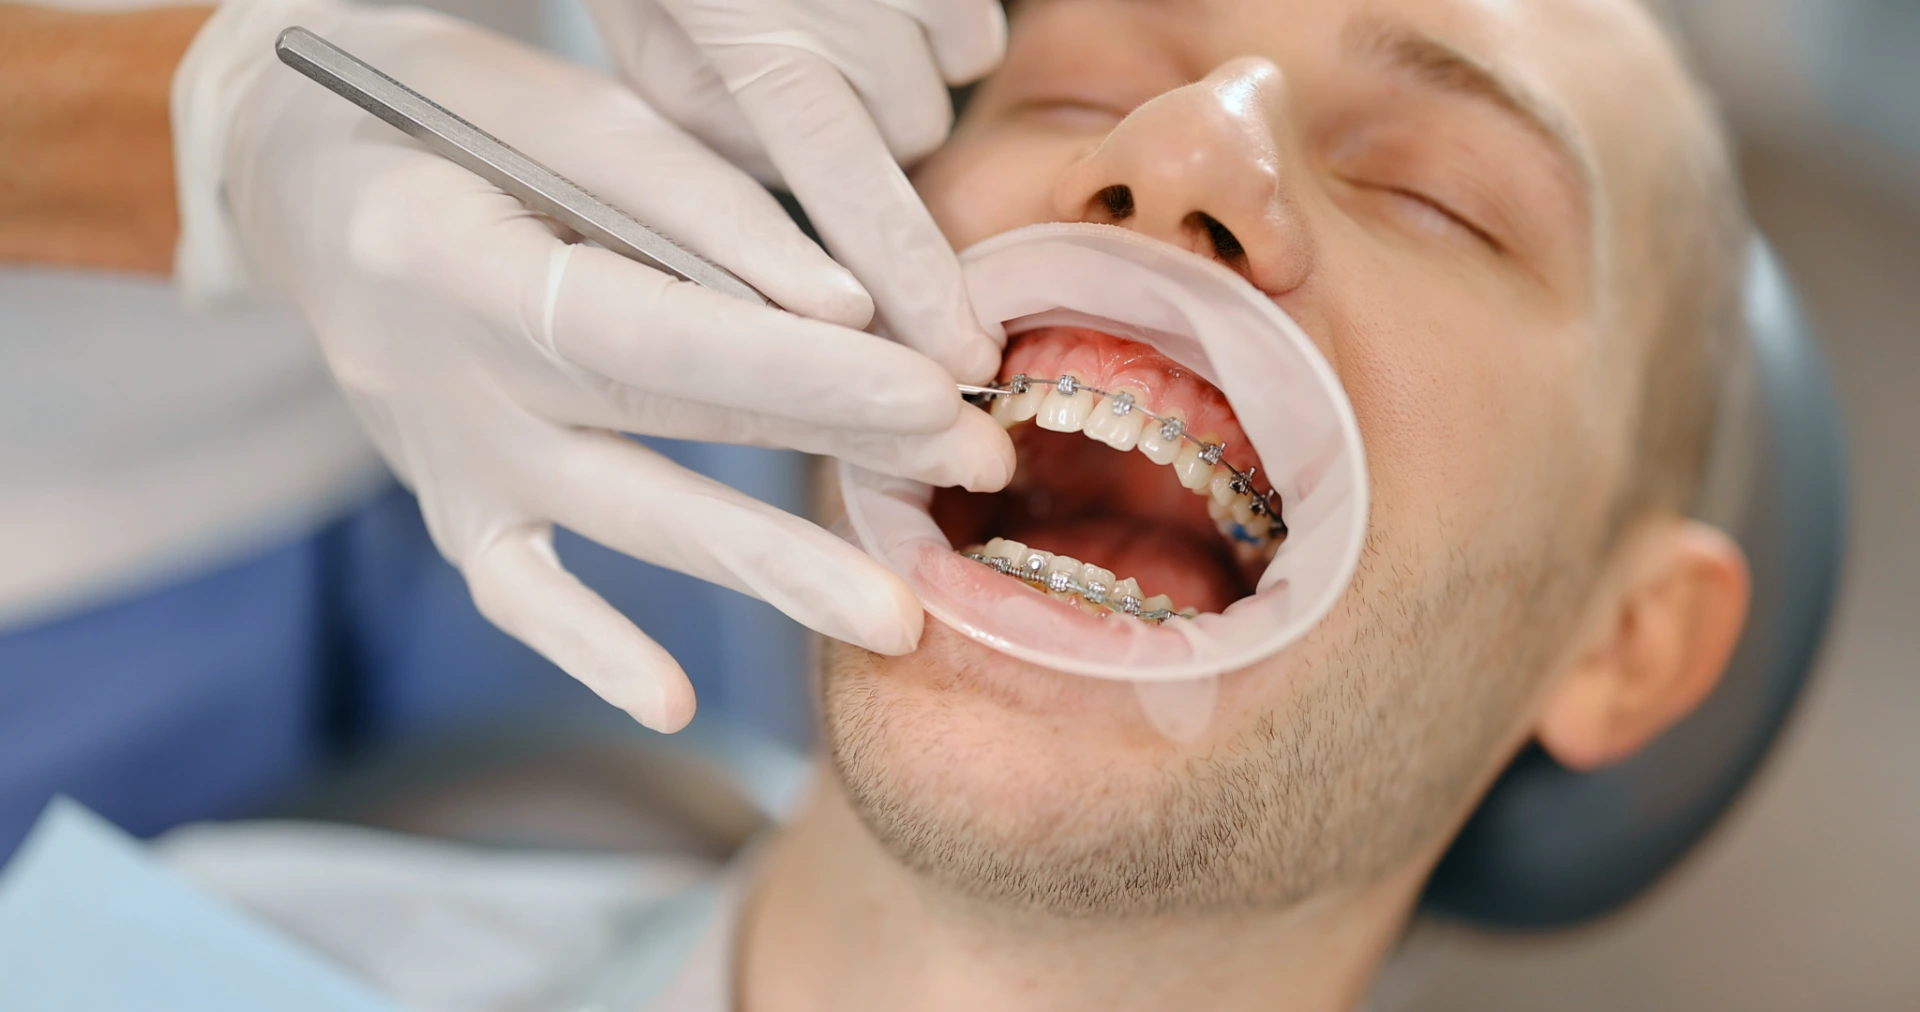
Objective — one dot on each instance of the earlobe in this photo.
(1665, 635)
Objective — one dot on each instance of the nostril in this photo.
(1226, 245)
(1117, 200)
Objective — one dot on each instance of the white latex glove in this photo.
(827, 97)
(493, 362)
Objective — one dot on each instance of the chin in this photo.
(1035, 789)
(958, 721)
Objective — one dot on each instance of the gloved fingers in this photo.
(429, 228)
(635, 501)
(431, 225)
(636, 336)
(973, 453)
(662, 63)
(658, 335)
(628, 155)
(518, 583)
(968, 37)
(776, 52)
(893, 72)
(834, 159)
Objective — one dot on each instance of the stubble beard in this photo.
(1399, 723)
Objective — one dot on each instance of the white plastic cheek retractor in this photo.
(1284, 395)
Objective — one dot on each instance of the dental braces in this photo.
(1267, 504)
(1094, 592)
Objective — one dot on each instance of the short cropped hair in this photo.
(1699, 248)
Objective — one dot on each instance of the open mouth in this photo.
(1142, 536)
(1136, 492)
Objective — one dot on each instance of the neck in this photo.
(836, 923)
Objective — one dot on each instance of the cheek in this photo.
(1463, 417)
(981, 187)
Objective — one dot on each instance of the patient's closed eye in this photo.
(1414, 177)
(1432, 215)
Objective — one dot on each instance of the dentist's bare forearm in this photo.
(86, 150)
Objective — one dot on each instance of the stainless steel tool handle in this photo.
(539, 187)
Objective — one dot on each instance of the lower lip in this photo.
(1003, 612)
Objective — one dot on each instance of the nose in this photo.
(1201, 166)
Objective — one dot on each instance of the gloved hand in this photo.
(824, 96)
(493, 362)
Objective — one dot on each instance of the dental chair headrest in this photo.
(1549, 847)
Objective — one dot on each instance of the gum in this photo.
(1163, 387)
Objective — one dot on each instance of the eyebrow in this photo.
(1449, 69)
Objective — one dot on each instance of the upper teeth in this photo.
(1161, 443)
(1065, 404)
(1115, 423)
(1065, 408)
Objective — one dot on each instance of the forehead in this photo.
(1592, 54)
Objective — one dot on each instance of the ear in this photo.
(1666, 625)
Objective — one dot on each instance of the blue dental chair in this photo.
(1549, 847)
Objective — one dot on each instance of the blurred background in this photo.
(1808, 895)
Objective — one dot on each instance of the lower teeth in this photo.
(1093, 593)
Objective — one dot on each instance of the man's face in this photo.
(1447, 196)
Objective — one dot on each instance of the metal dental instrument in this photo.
(539, 187)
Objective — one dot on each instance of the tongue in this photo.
(1163, 561)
